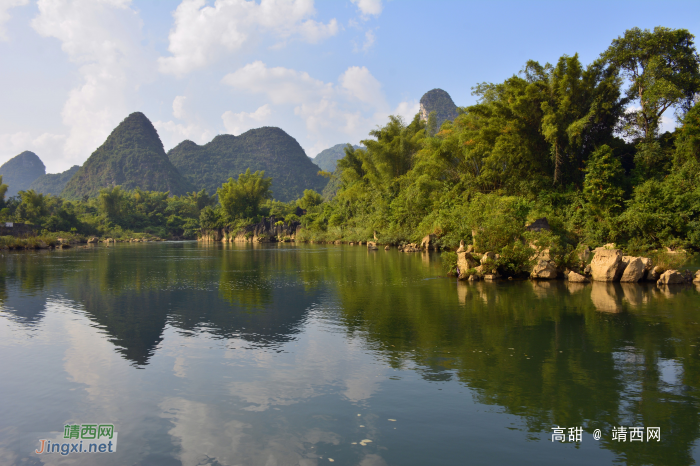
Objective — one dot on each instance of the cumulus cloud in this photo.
(48, 146)
(237, 123)
(204, 33)
(190, 127)
(369, 7)
(361, 85)
(103, 38)
(332, 112)
(5, 5)
(281, 85)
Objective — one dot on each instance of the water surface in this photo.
(297, 355)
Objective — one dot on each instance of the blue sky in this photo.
(327, 72)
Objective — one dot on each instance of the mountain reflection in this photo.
(553, 353)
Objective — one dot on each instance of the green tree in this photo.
(111, 201)
(663, 68)
(3, 191)
(601, 187)
(242, 198)
(310, 199)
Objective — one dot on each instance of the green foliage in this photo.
(53, 183)
(20, 171)
(327, 160)
(449, 262)
(268, 148)
(601, 187)
(242, 198)
(310, 199)
(132, 157)
(663, 69)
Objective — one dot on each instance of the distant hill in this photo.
(53, 183)
(328, 158)
(20, 171)
(267, 148)
(441, 103)
(133, 157)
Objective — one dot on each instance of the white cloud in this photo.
(332, 113)
(370, 38)
(179, 107)
(172, 132)
(103, 38)
(47, 146)
(361, 85)
(237, 123)
(5, 5)
(369, 7)
(204, 33)
(282, 85)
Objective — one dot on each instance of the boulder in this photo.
(634, 270)
(654, 274)
(93, 239)
(671, 277)
(488, 256)
(387, 247)
(465, 261)
(544, 270)
(410, 248)
(428, 242)
(696, 278)
(372, 246)
(606, 264)
(473, 278)
(461, 246)
(109, 240)
(576, 277)
(587, 270)
(489, 277)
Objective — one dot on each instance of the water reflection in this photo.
(266, 355)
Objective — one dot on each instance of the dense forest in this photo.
(578, 144)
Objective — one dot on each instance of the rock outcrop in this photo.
(576, 277)
(606, 264)
(267, 231)
(441, 103)
(544, 270)
(671, 277)
(634, 269)
(428, 242)
(696, 278)
(465, 262)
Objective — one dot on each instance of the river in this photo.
(283, 354)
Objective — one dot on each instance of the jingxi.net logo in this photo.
(81, 438)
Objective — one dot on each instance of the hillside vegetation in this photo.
(131, 157)
(578, 144)
(328, 159)
(267, 149)
(20, 171)
(53, 183)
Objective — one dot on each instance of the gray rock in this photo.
(654, 274)
(634, 270)
(606, 264)
(544, 270)
(671, 277)
(488, 256)
(465, 261)
(577, 277)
